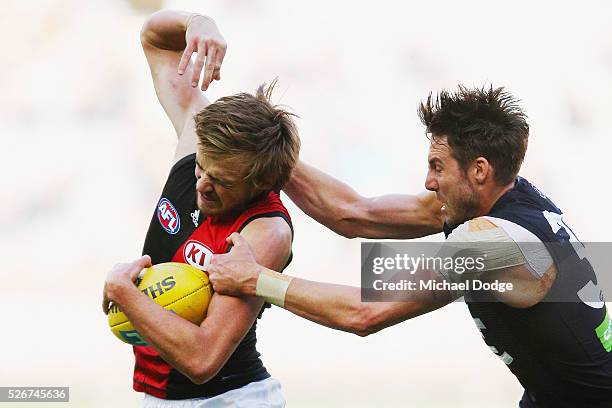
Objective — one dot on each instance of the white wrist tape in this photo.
(272, 286)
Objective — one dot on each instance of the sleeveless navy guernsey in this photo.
(558, 350)
(178, 233)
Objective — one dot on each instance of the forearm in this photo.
(338, 306)
(166, 29)
(178, 341)
(323, 198)
(335, 306)
(341, 209)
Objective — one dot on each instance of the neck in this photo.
(489, 199)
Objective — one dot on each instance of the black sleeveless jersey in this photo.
(558, 349)
(179, 233)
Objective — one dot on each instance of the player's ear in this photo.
(481, 169)
(262, 187)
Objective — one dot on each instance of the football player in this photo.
(550, 335)
(232, 158)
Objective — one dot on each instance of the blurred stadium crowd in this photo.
(86, 148)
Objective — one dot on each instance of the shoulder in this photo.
(504, 242)
(474, 230)
(270, 206)
(270, 240)
(185, 163)
(182, 174)
(492, 229)
(268, 217)
(273, 229)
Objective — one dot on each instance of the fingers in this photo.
(105, 303)
(236, 239)
(210, 68)
(145, 261)
(138, 265)
(199, 64)
(220, 55)
(209, 57)
(215, 280)
(218, 61)
(118, 276)
(185, 58)
(213, 275)
(214, 260)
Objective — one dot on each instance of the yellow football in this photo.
(175, 286)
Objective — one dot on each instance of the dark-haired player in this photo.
(551, 335)
(232, 157)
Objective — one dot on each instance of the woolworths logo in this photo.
(604, 332)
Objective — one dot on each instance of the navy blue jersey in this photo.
(558, 349)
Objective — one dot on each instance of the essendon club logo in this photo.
(168, 216)
(197, 254)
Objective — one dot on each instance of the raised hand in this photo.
(203, 37)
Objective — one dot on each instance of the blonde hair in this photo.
(250, 126)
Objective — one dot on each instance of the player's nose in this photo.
(431, 183)
(204, 185)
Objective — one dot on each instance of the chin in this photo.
(453, 221)
(209, 211)
(449, 221)
(206, 210)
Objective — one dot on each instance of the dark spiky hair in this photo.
(479, 122)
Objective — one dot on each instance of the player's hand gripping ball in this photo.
(177, 287)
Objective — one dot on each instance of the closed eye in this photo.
(435, 165)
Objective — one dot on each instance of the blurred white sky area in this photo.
(86, 149)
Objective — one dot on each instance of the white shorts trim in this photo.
(259, 394)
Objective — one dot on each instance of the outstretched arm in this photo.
(340, 307)
(344, 211)
(337, 306)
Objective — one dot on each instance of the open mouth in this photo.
(444, 206)
(207, 200)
